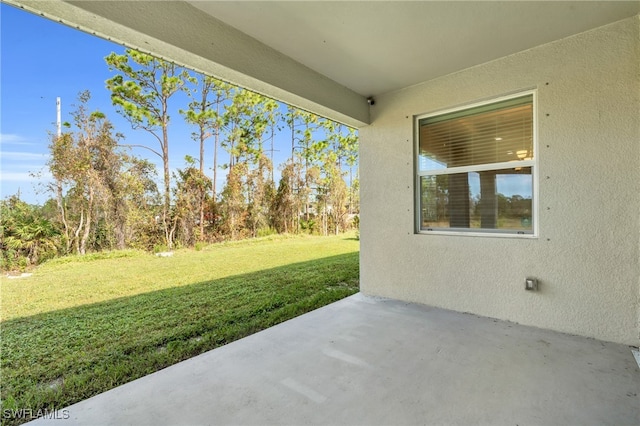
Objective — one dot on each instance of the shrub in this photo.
(265, 232)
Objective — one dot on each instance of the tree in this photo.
(245, 124)
(135, 204)
(27, 237)
(343, 141)
(141, 90)
(249, 183)
(354, 196)
(84, 162)
(260, 195)
(233, 206)
(335, 196)
(272, 118)
(286, 205)
(204, 112)
(191, 186)
(98, 186)
(304, 151)
(260, 182)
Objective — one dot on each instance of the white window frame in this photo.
(478, 168)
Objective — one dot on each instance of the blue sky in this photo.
(42, 60)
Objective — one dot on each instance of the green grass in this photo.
(79, 327)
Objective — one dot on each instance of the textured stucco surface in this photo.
(587, 254)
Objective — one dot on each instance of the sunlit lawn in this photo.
(80, 327)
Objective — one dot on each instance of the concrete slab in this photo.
(373, 361)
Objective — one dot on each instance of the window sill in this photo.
(479, 234)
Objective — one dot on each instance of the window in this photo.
(476, 168)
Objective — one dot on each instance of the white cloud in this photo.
(18, 167)
(23, 156)
(13, 139)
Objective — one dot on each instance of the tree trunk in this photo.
(202, 189)
(87, 224)
(77, 232)
(63, 216)
(167, 178)
(216, 141)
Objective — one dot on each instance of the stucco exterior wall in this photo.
(587, 254)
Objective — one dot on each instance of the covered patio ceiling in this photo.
(328, 56)
(374, 47)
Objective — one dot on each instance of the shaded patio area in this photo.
(366, 360)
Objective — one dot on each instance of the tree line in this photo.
(105, 198)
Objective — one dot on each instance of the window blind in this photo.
(495, 133)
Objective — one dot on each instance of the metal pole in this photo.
(59, 122)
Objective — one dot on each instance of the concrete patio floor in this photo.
(373, 361)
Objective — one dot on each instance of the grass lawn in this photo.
(81, 326)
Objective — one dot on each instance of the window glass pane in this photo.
(488, 200)
(494, 133)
